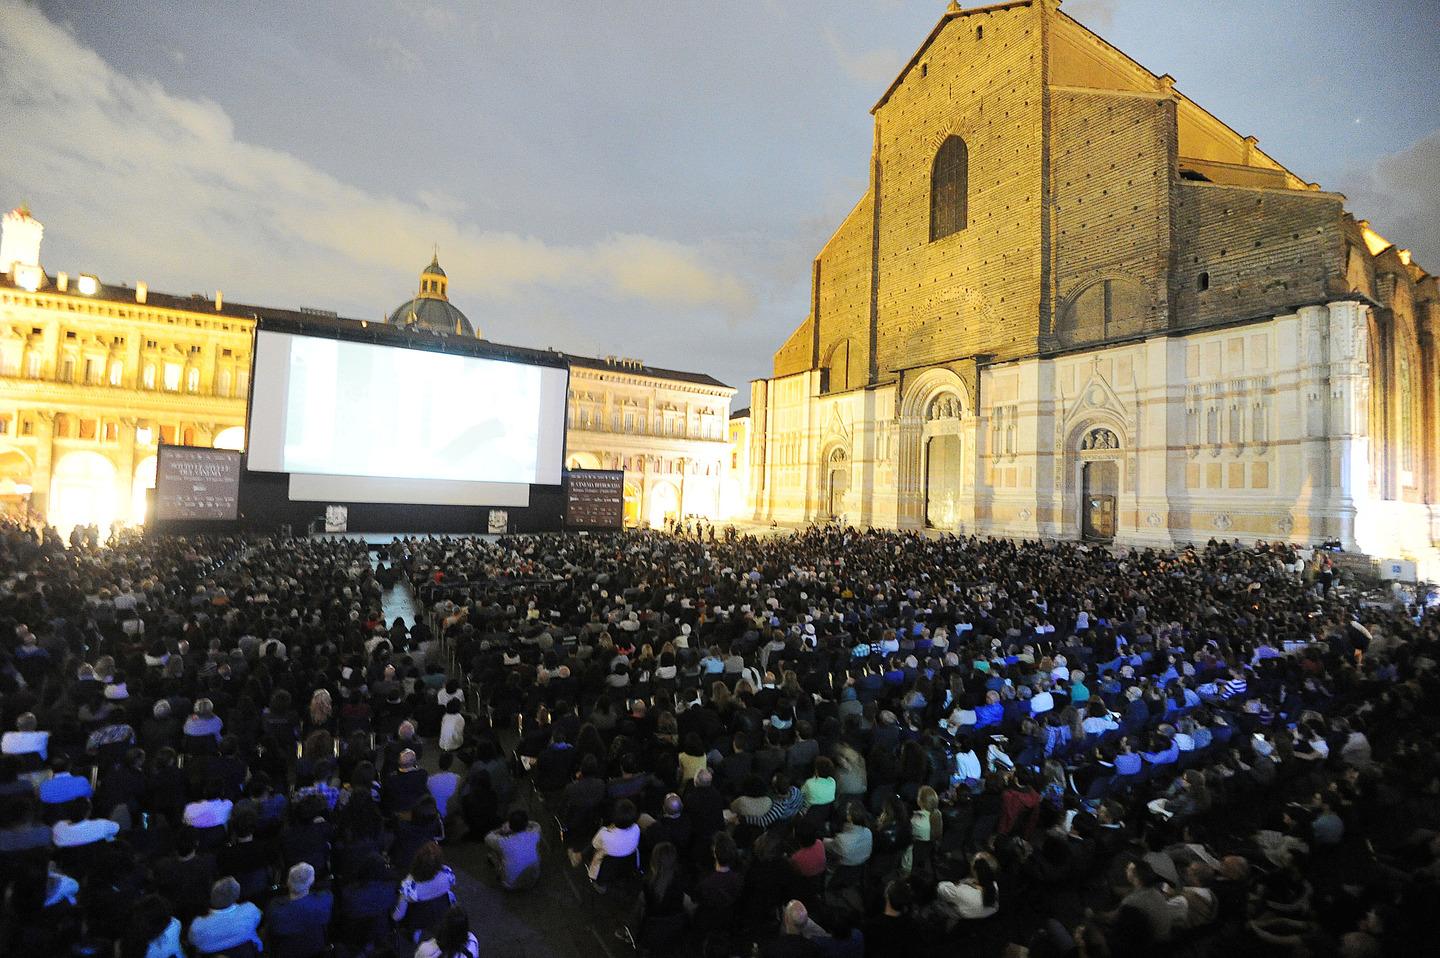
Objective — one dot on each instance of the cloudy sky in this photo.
(641, 177)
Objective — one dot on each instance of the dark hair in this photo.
(722, 846)
(185, 842)
(899, 895)
(427, 862)
(985, 874)
(519, 820)
(149, 917)
(624, 814)
(664, 869)
(452, 935)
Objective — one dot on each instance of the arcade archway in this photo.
(83, 491)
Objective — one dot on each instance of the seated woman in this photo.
(975, 897)
(429, 881)
(453, 938)
(619, 838)
(819, 788)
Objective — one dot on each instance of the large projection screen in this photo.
(356, 421)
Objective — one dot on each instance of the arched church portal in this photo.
(1099, 459)
(943, 448)
(837, 481)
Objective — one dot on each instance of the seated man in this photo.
(229, 923)
(78, 828)
(27, 741)
(301, 917)
(407, 785)
(515, 851)
(63, 786)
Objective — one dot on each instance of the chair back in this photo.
(618, 868)
(199, 745)
(245, 949)
(421, 916)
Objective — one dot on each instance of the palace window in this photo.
(949, 180)
(87, 428)
(172, 377)
(117, 373)
(147, 378)
(192, 381)
(223, 386)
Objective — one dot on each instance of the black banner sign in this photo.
(594, 498)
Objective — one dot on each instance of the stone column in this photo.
(1348, 443)
(910, 479)
(124, 459)
(44, 463)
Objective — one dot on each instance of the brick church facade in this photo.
(1072, 303)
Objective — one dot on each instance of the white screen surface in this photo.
(337, 408)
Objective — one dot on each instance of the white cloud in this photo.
(1400, 195)
(876, 67)
(171, 194)
(393, 55)
(1095, 14)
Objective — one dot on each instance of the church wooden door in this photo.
(1102, 480)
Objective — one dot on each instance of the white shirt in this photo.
(208, 814)
(25, 743)
(84, 832)
(452, 732)
(617, 842)
(963, 900)
(967, 765)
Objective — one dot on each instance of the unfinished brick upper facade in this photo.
(1103, 211)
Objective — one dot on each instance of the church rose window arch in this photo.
(1106, 309)
(949, 184)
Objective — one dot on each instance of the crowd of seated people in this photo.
(213, 748)
(846, 743)
(828, 743)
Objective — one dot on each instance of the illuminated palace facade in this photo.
(1073, 303)
(93, 376)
